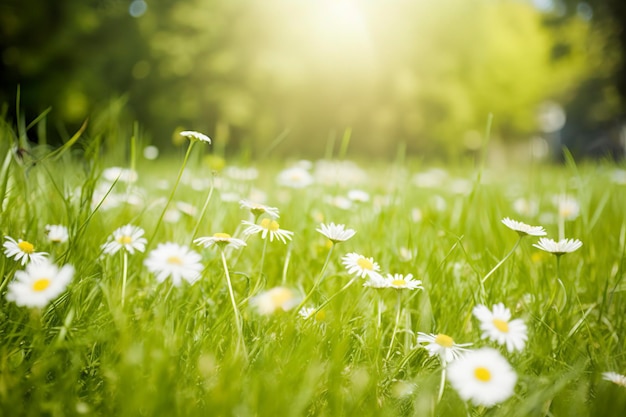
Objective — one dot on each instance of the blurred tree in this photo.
(72, 55)
(416, 72)
(596, 110)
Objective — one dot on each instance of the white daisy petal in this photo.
(522, 228)
(175, 261)
(39, 284)
(482, 376)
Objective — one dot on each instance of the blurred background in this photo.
(297, 77)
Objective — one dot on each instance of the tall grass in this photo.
(172, 351)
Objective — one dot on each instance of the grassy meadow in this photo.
(117, 342)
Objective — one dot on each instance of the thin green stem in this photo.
(203, 211)
(508, 255)
(442, 385)
(171, 197)
(395, 327)
(319, 279)
(558, 279)
(238, 323)
(325, 303)
(124, 275)
(263, 256)
(7, 277)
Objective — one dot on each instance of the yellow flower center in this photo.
(224, 236)
(280, 297)
(365, 264)
(444, 340)
(125, 240)
(174, 260)
(501, 325)
(482, 374)
(398, 283)
(320, 316)
(269, 224)
(41, 284)
(26, 247)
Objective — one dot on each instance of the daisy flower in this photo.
(312, 312)
(359, 265)
(119, 174)
(222, 240)
(175, 261)
(442, 345)
(336, 232)
(558, 248)
(375, 280)
(400, 282)
(195, 136)
(483, 376)
(277, 298)
(57, 233)
(497, 325)
(39, 284)
(258, 209)
(567, 206)
(526, 207)
(23, 251)
(522, 228)
(295, 177)
(615, 378)
(267, 226)
(127, 237)
(358, 196)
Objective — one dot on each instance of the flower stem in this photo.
(124, 275)
(169, 200)
(263, 256)
(318, 281)
(203, 211)
(395, 327)
(236, 311)
(442, 385)
(508, 255)
(325, 303)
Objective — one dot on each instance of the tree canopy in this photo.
(422, 73)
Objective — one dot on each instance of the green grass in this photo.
(173, 351)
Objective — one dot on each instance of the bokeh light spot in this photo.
(137, 8)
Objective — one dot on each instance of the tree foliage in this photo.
(422, 73)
